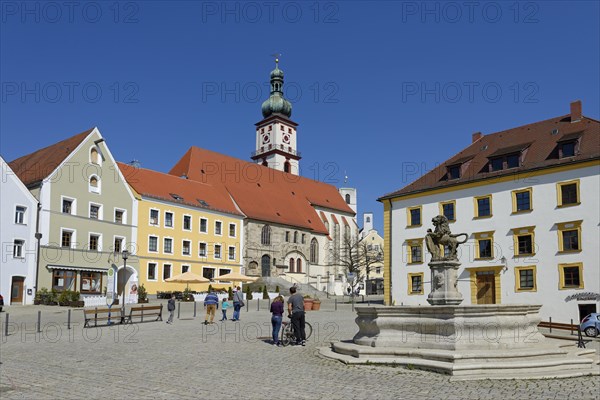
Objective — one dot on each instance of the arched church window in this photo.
(314, 251)
(347, 199)
(292, 265)
(265, 236)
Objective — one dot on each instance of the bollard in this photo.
(269, 304)
(550, 319)
(257, 304)
(6, 325)
(194, 309)
(39, 324)
(178, 310)
(247, 305)
(336, 304)
(571, 326)
(69, 319)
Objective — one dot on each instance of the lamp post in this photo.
(125, 256)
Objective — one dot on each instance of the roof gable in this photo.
(35, 167)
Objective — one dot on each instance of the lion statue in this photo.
(441, 236)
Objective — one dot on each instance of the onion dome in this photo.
(276, 103)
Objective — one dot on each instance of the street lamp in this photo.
(125, 256)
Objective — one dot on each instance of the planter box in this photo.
(308, 304)
(144, 301)
(316, 306)
(77, 303)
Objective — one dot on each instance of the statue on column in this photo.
(440, 238)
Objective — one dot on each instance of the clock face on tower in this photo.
(266, 138)
(286, 138)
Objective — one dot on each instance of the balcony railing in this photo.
(271, 147)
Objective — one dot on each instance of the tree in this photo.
(356, 257)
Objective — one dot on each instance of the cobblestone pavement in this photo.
(223, 360)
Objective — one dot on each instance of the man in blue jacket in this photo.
(211, 302)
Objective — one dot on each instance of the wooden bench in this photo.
(144, 311)
(112, 315)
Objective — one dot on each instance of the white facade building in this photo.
(19, 213)
(532, 220)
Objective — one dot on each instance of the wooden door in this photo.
(486, 288)
(16, 290)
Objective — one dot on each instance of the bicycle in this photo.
(287, 333)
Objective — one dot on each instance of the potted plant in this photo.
(74, 300)
(277, 289)
(142, 294)
(41, 296)
(187, 295)
(308, 302)
(316, 305)
(64, 298)
(265, 293)
(248, 293)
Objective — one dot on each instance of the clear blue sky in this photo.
(382, 90)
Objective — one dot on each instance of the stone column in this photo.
(444, 277)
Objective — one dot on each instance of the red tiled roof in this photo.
(36, 166)
(538, 140)
(263, 193)
(164, 187)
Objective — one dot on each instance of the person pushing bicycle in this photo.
(296, 314)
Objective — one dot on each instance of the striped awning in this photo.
(77, 268)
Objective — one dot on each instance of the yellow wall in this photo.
(178, 234)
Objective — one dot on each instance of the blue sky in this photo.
(383, 91)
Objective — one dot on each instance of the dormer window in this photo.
(567, 149)
(507, 161)
(454, 172)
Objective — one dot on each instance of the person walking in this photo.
(224, 307)
(171, 309)
(276, 318)
(238, 303)
(296, 313)
(211, 302)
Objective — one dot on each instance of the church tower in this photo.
(276, 142)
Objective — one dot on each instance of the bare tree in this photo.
(355, 256)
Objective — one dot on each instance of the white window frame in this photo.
(21, 247)
(163, 271)
(157, 244)
(73, 237)
(150, 217)
(172, 245)
(73, 205)
(100, 211)
(189, 267)
(215, 251)
(205, 249)
(234, 231)
(155, 271)
(97, 190)
(23, 215)
(123, 244)
(229, 253)
(100, 158)
(172, 219)
(218, 222)
(99, 249)
(183, 223)
(200, 225)
(124, 222)
(189, 247)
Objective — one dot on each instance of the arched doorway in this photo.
(265, 264)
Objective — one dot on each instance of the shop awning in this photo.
(71, 268)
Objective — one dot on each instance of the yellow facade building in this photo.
(184, 225)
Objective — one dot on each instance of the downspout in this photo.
(38, 236)
(389, 300)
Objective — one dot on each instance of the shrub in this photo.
(74, 296)
(277, 289)
(265, 293)
(210, 288)
(64, 297)
(142, 293)
(248, 293)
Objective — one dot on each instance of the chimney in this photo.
(576, 111)
(476, 136)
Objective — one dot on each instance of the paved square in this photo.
(223, 360)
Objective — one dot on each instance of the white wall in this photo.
(544, 217)
(12, 194)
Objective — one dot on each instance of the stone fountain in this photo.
(496, 341)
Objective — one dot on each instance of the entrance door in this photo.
(585, 310)
(486, 287)
(265, 264)
(16, 290)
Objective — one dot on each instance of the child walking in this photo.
(224, 307)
